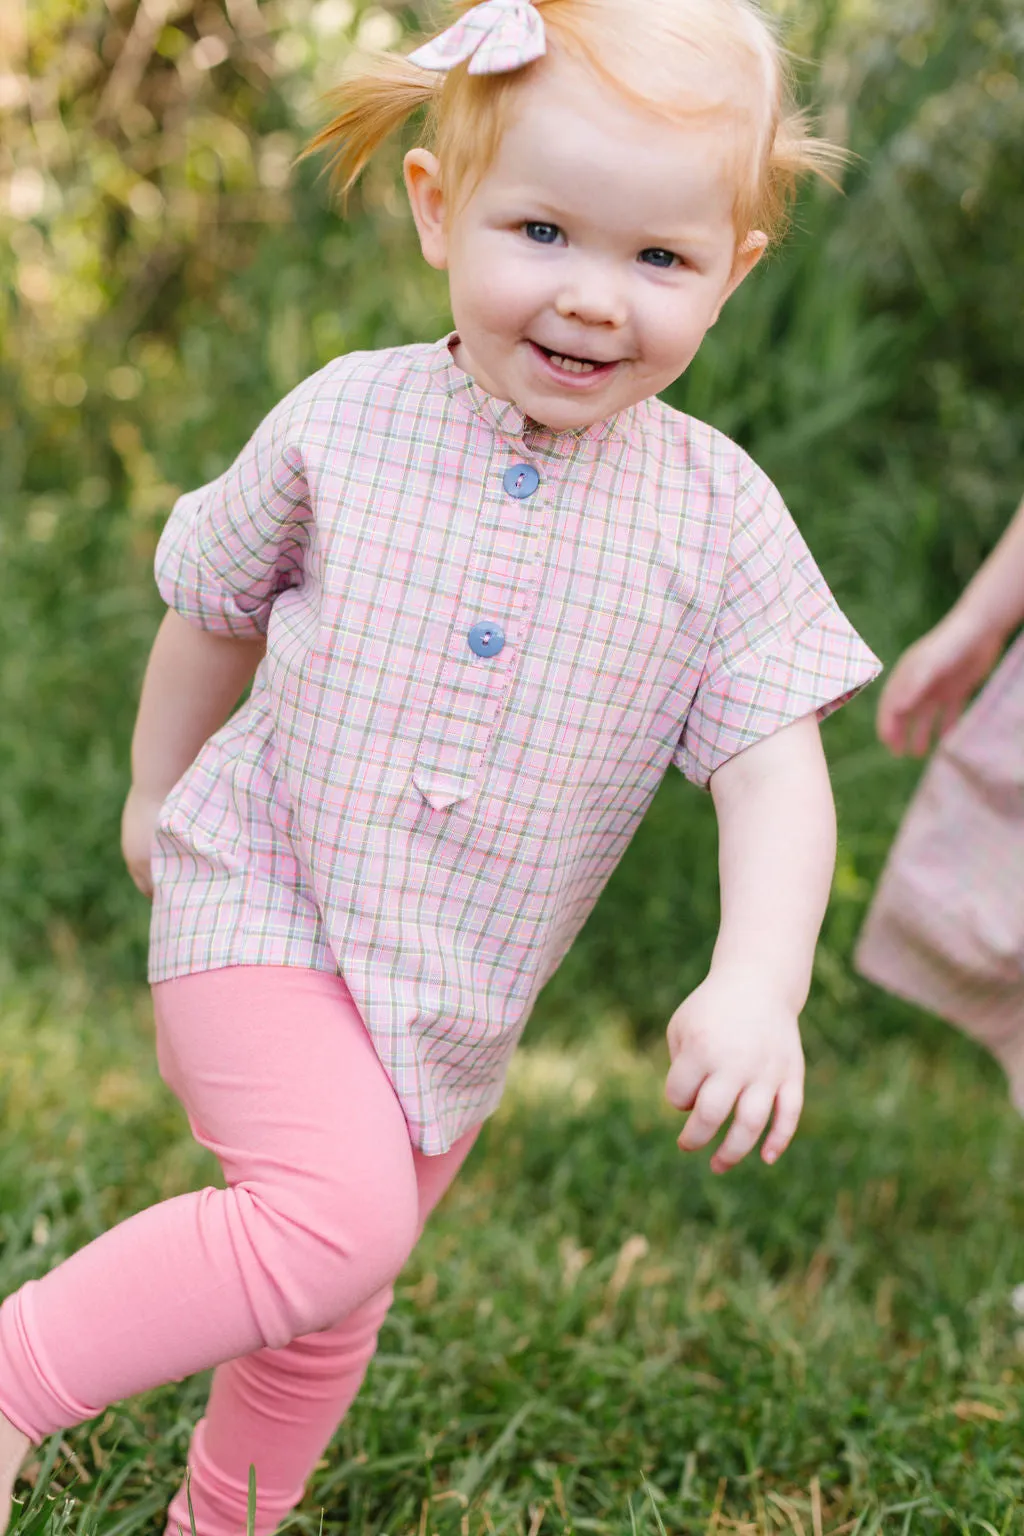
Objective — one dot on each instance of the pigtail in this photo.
(381, 91)
(795, 153)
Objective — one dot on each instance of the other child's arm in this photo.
(193, 680)
(933, 680)
(735, 1042)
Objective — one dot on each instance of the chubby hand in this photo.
(138, 823)
(735, 1048)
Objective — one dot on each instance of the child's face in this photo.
(590, 261)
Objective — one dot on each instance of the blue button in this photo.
(521, 480)
(486, 639)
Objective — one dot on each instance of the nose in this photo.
(592, 294)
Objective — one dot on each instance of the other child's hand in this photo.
(735, 1049)
(933, 680)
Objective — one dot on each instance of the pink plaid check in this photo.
(435, 824)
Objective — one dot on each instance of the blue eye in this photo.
(544, 234)
(654, 256)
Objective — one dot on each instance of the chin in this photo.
(561, 418)
(575, 425)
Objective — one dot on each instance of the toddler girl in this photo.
(491, 589)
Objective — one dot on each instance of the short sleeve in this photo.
(781, 648)
(230, 547)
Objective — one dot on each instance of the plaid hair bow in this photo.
(496, 37)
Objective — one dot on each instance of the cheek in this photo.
(508, 294)
(675, 322)
(471, 298)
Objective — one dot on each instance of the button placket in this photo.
(496, 608)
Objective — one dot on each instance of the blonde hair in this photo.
(644, 50)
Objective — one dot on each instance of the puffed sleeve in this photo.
(781, 648)
(230, 547)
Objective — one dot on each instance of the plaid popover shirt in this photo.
(486, 644)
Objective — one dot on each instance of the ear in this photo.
(748, 254)
(422, 172)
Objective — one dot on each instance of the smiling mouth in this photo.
(569, 364)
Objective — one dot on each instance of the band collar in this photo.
(507, 419)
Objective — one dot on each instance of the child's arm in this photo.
(932, 681)
(193, 680)
(735, 1042)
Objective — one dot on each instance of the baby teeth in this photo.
(572, 364)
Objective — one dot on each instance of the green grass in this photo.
(595, 1334)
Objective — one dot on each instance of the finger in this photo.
(922, 725)
(901, 696)
(907, 699)
(897, 719)
(950, 716)
(753, 1109)
(789, 1103)
(890, 724)
(890, 732)
(685, 1076)
(710, 1111)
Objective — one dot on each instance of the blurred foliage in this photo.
(167, 272)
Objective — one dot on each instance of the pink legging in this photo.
(286, 1274)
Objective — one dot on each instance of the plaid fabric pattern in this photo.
(434, 824)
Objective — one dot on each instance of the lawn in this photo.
(595, 1335)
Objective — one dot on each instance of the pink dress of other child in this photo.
(946, 928)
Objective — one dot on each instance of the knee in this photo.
(320, 1253)
(330, 1353)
